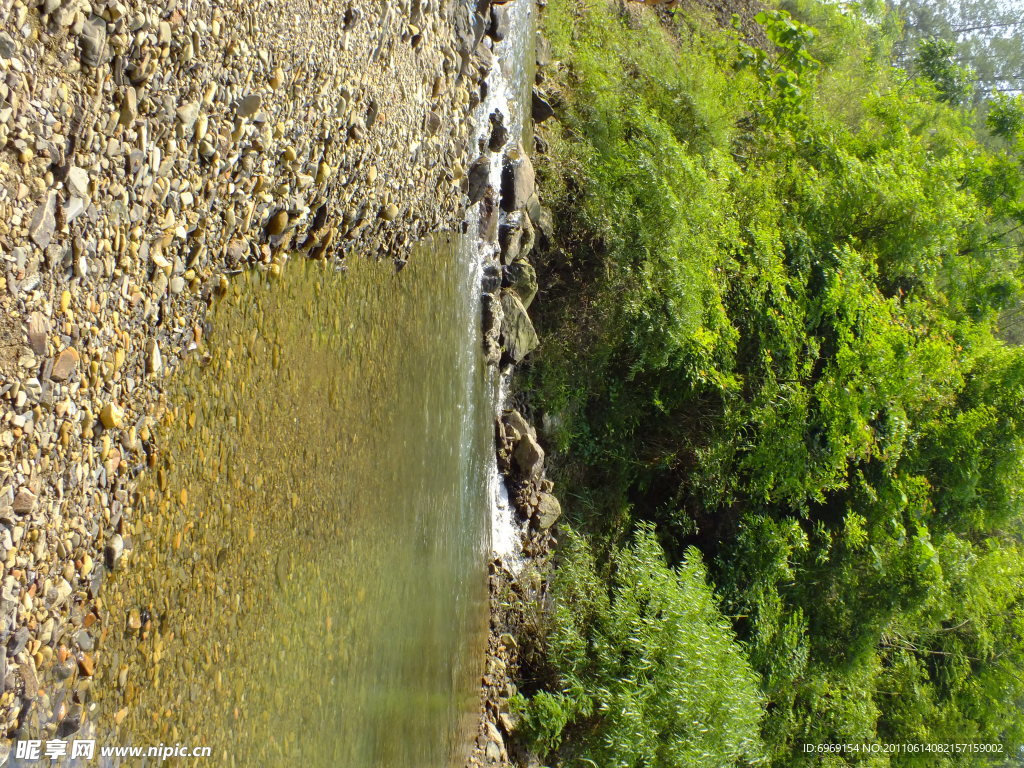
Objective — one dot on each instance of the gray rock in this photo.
(249, 105)
(7, 46)
(498, 28)
(38, 329)
(516, 237)
(24, 502)
(547, 511)
(489, 216)
(85, 641)
(18, 641)
(78, 181)
(43, 223)
(187, 114)
(93, 41)
(518, 180)
(518, 335)
(522, 278)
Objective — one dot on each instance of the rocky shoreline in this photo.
(516, 590)
(148, 152)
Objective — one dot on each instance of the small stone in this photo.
(389, 212)
(153, 360)
(85, 641)
(187, 115)
(78, 181)
(112, 415)
(177, 285)
(67, 362)
(129, 107)
(37, 333)
(249, 105)
(24, 502)
(277, 223)
(113, 551)
(18, 641)
(43, 223)
(7, 46)
(86, 665)
(93, 41)
(276, 78)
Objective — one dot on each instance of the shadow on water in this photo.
(307, 584)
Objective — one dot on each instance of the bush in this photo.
(648, 670)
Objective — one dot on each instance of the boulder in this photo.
(516, 238)
(528, 457)
(498, 28)
(522, 278)
(540, 108)
(518, 180)
(547, 511)
(518, 335)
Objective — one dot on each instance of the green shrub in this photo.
(648, 671)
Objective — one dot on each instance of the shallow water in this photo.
(312, 555)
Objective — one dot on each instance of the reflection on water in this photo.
(308, 581)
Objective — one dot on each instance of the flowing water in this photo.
(307, 581)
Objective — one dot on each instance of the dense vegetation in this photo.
(774, 336)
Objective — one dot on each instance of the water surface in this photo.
(309, 553)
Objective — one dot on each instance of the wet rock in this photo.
(489, 216)
(540, 108)
(518, 180)
(518, 335)
(71, 723)
(43, 223)
(67, 362)
(478, 175)
(547, 511)
(499, 133)
(499, 25)
(113, 551)
(85, 641)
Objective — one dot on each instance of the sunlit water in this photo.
(311, 558)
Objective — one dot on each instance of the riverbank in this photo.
(149, 153)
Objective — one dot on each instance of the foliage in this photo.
(774, 328)
(936, 61)
(648, 671)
